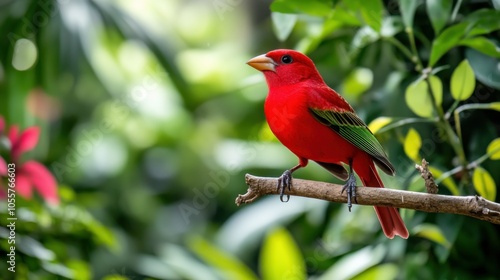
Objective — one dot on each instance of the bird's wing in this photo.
(350, 127)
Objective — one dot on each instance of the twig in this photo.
(430, 185)
(473, 206)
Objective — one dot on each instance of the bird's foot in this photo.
(350, 187)
(285, 181)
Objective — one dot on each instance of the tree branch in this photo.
(473, 206)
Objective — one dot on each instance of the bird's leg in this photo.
(350, 186)
(285, 181)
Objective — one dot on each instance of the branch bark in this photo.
(473, 206)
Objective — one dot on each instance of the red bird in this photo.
(316, 123)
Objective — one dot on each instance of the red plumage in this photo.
(296, 87)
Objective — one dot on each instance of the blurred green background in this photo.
(150, 118)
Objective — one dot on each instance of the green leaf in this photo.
(433, 233)
(173, 261)
(494, 149)
(383, 271)
(357, 82)
(280, 258)
(378, 123)
(439, 13)
(484, 183)
(448, 39)
(408, 8)
(448, 181)
(483, 45)
(283, 24)
(227, 264)
(58, 269)
(34, 248)
(485, 67)
(371, 12)
(412, 145)
(355, 262)
(451, 226)
(314, 7)
(115, 277)
(103, 235)
(463, 81)
(161, 266)
(482, 21)
(342, 15)
(418, 98)
(81, 269)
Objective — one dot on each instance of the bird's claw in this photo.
(284, 181)
(350, 187)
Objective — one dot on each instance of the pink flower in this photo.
(30, 174)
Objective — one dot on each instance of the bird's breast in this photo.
(287, 113)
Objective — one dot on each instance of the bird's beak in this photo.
(262, 63)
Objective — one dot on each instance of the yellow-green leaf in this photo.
(227, 264)
(280, 257)
(463, 81)
(81, 269)
(495, 106)
(433, 233)
(412, 145)
(382, 271)
(494, 149)
(115, 277)
(448, 181)
(378, 123)
(265, 133)
(357, 82)
(484, 183)
(418, 97)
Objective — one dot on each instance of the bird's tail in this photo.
(389, 217)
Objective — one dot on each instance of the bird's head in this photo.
(285, 67)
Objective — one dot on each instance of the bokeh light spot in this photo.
(25, 54)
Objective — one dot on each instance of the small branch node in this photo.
(430, 184)
(249, 197)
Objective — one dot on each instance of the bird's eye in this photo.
(286, 59)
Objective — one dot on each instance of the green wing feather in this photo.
(348, 125)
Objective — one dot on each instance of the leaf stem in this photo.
(453, 139)
(457, 169)
(448, 174)
(400, 46)
(405, 122)
(464, 108)
(451, 109)
(415, 58)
